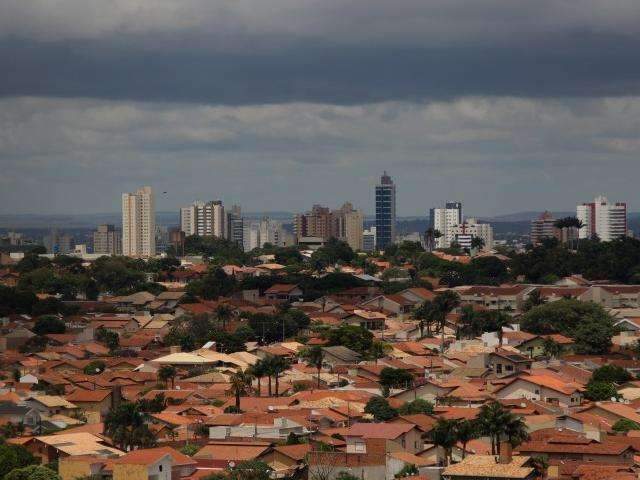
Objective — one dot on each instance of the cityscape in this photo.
(319, 240)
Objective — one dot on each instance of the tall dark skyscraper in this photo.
(385, 212)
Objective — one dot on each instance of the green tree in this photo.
(611, 373)
(250, 470)
(240, 385)
(624, 425)
(443, 435)
(444, 304)
(259, 370)
(380, 409)
(466, 430)
(314, 357)
(551, 348)
(354, 337)
(190, 449)
(599, 391)
(94, 367)
(496, 422)
(409, 470)
(109, 338)
(48, 324)
(395, 378)
(126, 426)
(33, 472)
(419, 405)
(167, 372)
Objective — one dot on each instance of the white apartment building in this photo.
(444, 220)
(139, 223)
(349, 225)
(465, 232)
(369, 239)
(257, 234)
(202, 219)
(606, 220)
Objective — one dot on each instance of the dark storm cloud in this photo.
(579, 65)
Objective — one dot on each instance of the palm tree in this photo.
(314, 357)
(534, 299)
(258, 371)
(126, 426)
(427, 315)
(467, 326)
(466, 431)
(443, 435)
(515, 429)
(223, 314)
(444, 304)
(496, 321)
(240, 385)
(497, 422)
(491, 420)
(278, 365)
(166, 372)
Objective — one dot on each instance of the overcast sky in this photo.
(279, 104)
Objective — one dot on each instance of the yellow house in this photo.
(151, 464)
(534, 347)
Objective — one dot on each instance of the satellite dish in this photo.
(232, 464)
(177, 387)
(613, 399)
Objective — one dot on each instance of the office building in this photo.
(345, 223)
(385, 212)
(464, 233)
(369, 239)
(204, 219)
(58, 243)
(257, 234)
(607, 221)
(235, 225)
(107, 240)
(348, 225)
(543, 227)
(139, 223)
(444, 220)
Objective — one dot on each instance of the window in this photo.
(160, 468)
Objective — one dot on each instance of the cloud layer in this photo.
(497, 155)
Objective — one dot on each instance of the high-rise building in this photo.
(58, 243)
(606, 220)
(444, 220)
(385, 212)
(204, 219)
(235, 225)
(345, 223)
(369, 239)
(348, 225)
(465, 232)
(107, 240)
(139, 223)
(543, 227)
(315, 223)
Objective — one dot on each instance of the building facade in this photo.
(139, 223)
(543, 227)
(235, 225)
(107, 240)
(465, 232)
(369, 239)
(204, 219)
(385, 212)
(444, 220)
(606, 220)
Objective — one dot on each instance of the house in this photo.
(395, 304)
(398, 436)
(560, 445)
(50, 405)
(94, 403)
(286, 460)
(339, 355)
(50, 448)
(283, 293)
(356, 295)
(544, 388)
(510, 297)
(232, 451)
(488, 467)
(502, 362)
(13, 413)
(611, 412)
(534, 347)
(145, 464)
(366, 319)
(14, 339)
